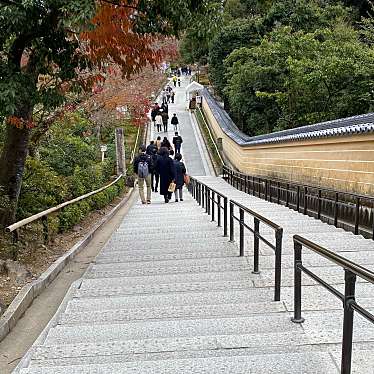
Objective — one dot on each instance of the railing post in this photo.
(278, 264)
(45, 229)
(270, 192)
(297, 284)
(202, 196)
(219, 210)
(256, 245)
(349, 297)
(207, 198)
(278, 193)
(357, 217)
(231, 221)
(253, 185)
(336, 209)
(213, 205)
(225, 216)
(287, 195)
(319, 204)
(241, 232)
(298, 198)
(246, 184)
(266, 189)
(305, 200)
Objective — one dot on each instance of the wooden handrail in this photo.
(44, 213)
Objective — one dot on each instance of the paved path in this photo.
(168, 294)
(193, 148)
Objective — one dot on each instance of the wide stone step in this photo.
(139, 289)
(171, 242)
(146, 255)
(169, 312)
(195, 265)
(162, 237)
(171, 328)
(306, 363)
(166, 348)
(231, 296)
(104, 281)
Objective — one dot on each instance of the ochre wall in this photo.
(344, 163)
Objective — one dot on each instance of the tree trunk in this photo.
(12, 163)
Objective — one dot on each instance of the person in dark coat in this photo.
(152, 146)
(155, 177)
(180, 171)
(174, 121)
(165, 168)
(165, 143)
(165, 120)
(177, 141)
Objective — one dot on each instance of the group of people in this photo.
(156, 168)
(160, 118)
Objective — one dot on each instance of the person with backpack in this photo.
(142, 167)
(165, 143)
(174, 121)
(180, 171)
(165, 168)
(177, 141)
(152, 146)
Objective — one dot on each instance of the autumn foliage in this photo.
(113, 38)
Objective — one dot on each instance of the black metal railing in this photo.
(351, 272)
(216, 204)
(277, 246)
(343, 209)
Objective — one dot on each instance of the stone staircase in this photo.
(169, 294)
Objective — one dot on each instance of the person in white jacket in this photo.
(158, 121)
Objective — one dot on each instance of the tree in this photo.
(51, 46)
(294, 79)
(239, 33)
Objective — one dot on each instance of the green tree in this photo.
(293, 79)
(239, 33)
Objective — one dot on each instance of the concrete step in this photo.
(140, 289)
(165, 255)
(162, 237)
(169, 312)
(172, 242)
(195, 265)
(297, 363)
(126, 279)
(255, 324)
(230, 296)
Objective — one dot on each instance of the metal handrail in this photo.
(264, 187)
(206, 197)
(45, 213)
(276, 247)
(351, 272)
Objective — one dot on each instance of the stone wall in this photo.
(343, 163)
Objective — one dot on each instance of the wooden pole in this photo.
(120, 151)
